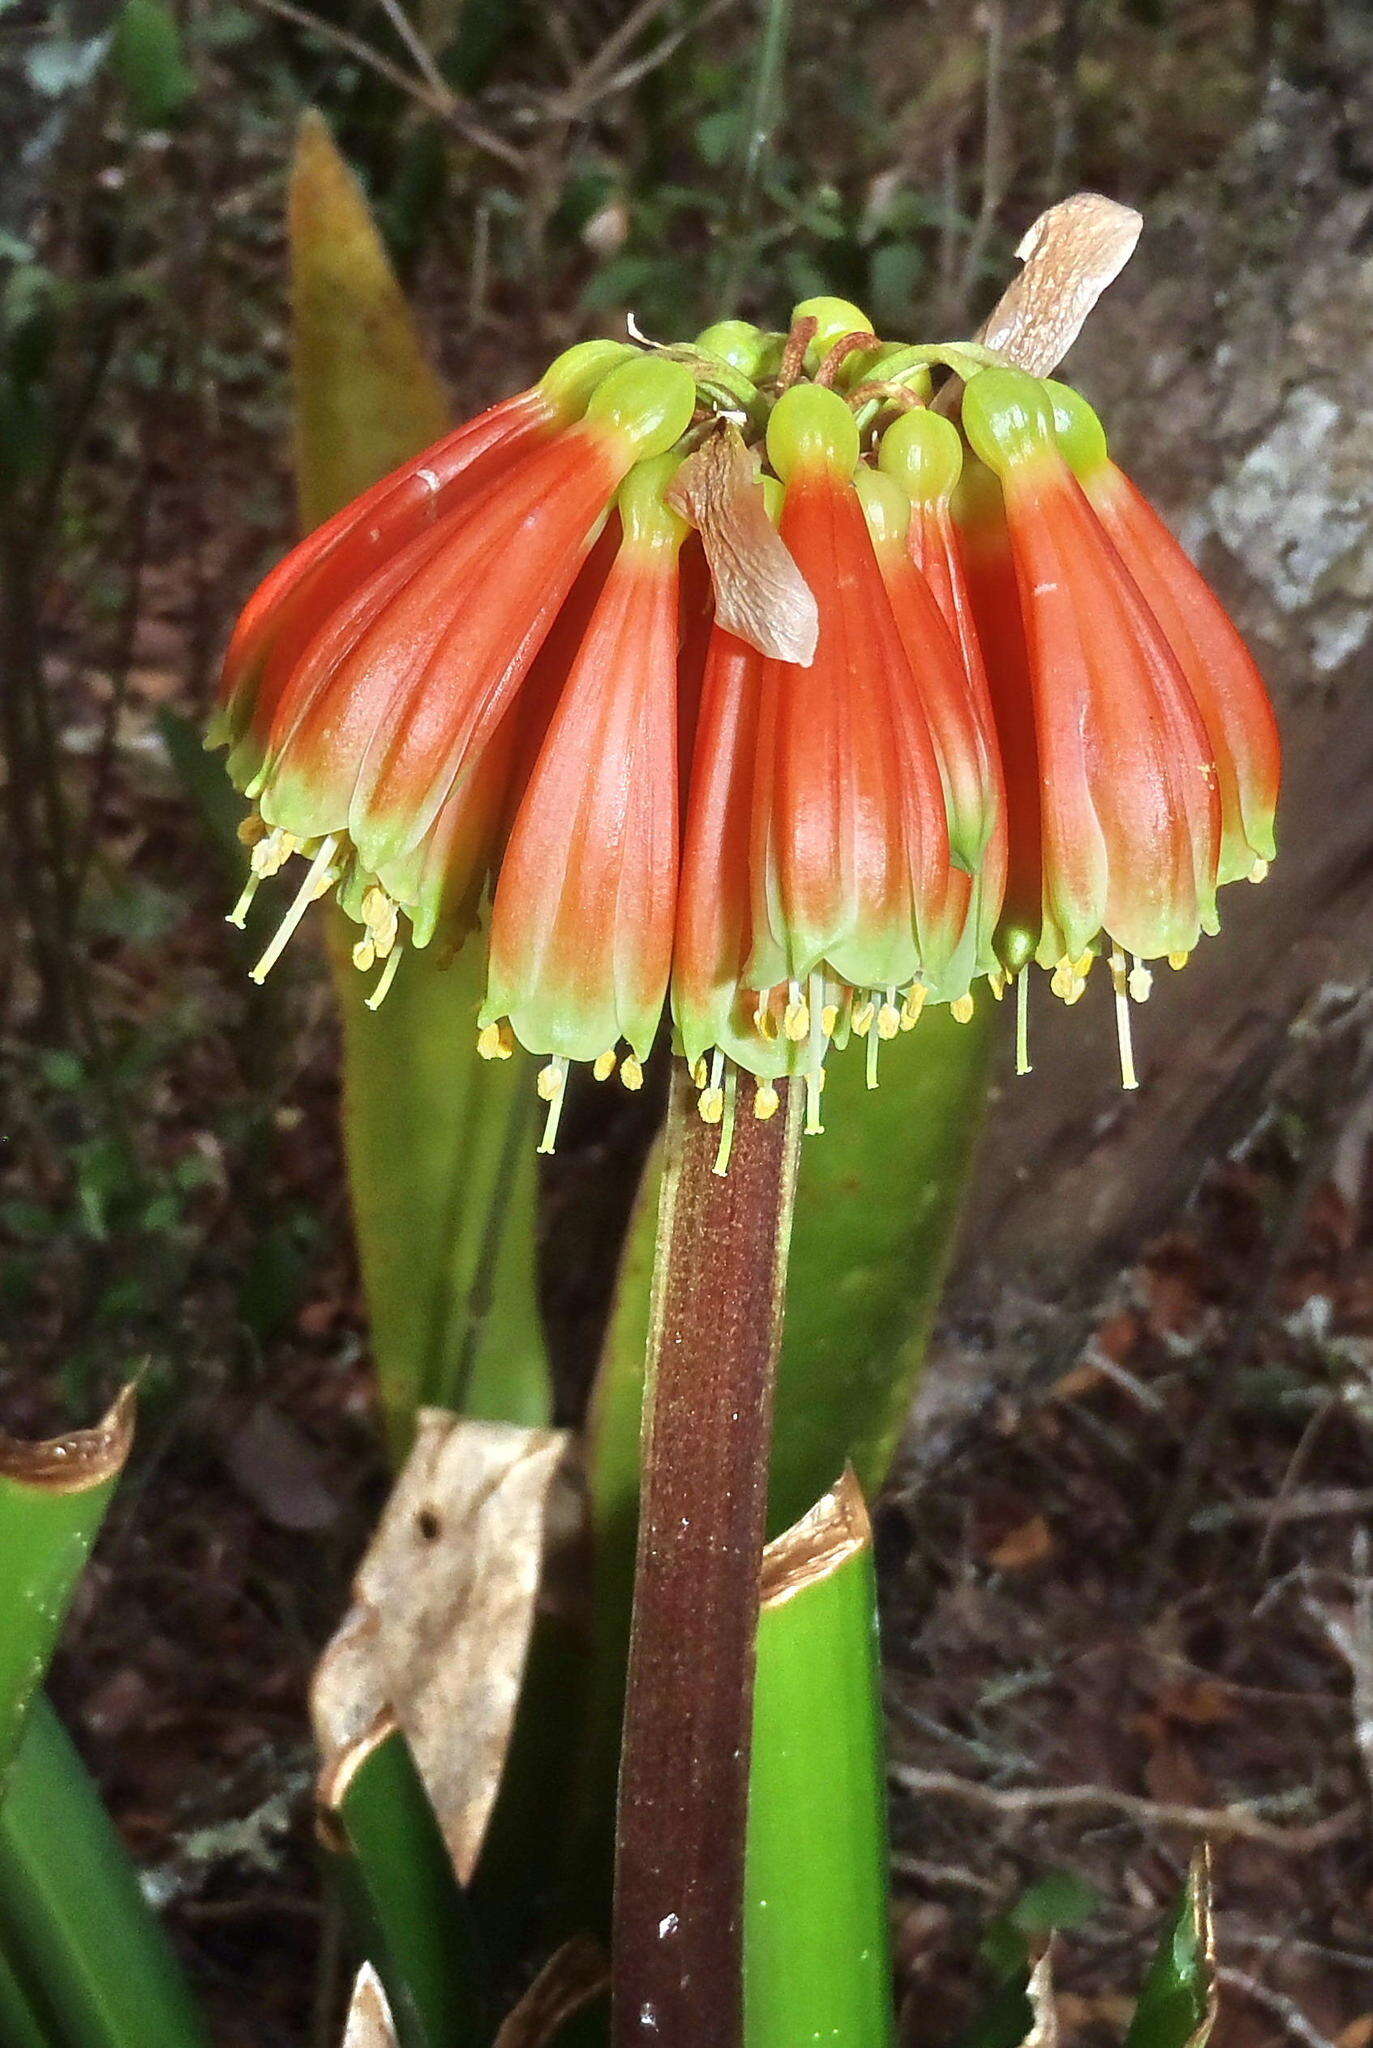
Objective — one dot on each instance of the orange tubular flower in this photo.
(1219, 668)
(1130, 813)
(581, 930)
(738, 674)
(850, 845)
(391, 736)
(329, 565)
(964, 746)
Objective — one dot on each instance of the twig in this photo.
(1311, 1504)
(1277, 2005)
(424, 61)
(1221, 1822)
(1350, 1635)
(446, 106)
(764, 108)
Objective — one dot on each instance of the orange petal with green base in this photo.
(850, 845)
(581, 930)
(1131, 813)
(1224, 679)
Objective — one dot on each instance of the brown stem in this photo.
(719, 1285)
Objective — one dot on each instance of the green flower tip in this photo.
(812, 428)
(886, 507)
(651, 399)
(1077, 429)
(923, 453)
(1007, 418)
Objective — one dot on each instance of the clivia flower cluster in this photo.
(764, 681)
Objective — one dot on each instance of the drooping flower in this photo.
(1219, 668)
(391, 735)
(581, 927)
(1129, 810)
(959, 720)
(753, 678)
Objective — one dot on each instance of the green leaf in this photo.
(77, 1937)
(1177, 2004)
(876, 1207)
(53, 1497)
(366, 396)
(817, 1956)
(441, 1170)
(147, 59)
(408, 1913)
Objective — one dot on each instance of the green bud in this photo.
(886, 507)
(923, 451)
(812, 426)
(834, 317)
(571, 377)
(647, 521)
(1007, 417)
(1080, 433)
(649, 398)
(737, 343)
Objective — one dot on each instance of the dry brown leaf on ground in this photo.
(442, 1612)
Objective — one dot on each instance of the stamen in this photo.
(496, 1041)
(914, 1003)
(1022, 1021)
(605, 1064)
(815, 1081)
(631, 1073)
(1120, 984)
(796, 1017)
(238, 915)
(766, 1101)
(711, 1105)
(1141, 980)
(552, 1087)
(271, 854)
(874, 1039)
(365, 954)
(829, 1019)
(888, 1017)
(1177, 961)
(996, 982)
(863, 1016)
(305, 896)
(962, 1010)
(700, 1071)
(1259, 871)
(388, 975)
(252, 828)
(721, 1165)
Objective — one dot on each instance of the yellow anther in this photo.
(1259, 871)
(796, 1021)
(364, 955)
(829, 1019)
(862, 1018)
(270, 854)
(996, 982)
(552, 1079)
(605, 1062)
(962, 1010)
(631, 1073)
(888, 1021)
(251, 829)
(711, 1105)
(496, 1041)
(700, 1073)
(1140, 982)
(1177, 961)
(916, 996)
(766, 1101)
